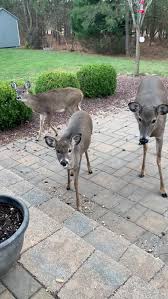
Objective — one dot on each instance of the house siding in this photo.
(9, 33)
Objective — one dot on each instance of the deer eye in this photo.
(69, 151)
(140, 119)
(153, 121)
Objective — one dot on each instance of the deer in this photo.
(71, 146)
(150, 108)
(48, 103)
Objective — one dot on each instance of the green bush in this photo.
(12, 112)
(97, 80)
(50, 81)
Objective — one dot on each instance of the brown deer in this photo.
(48, 103)
(150, 109)
(73, 143)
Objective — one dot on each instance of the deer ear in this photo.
(50, 141)
(162, 109)
(13, 85)
(27, 84)
(134, 107)
(76, 139)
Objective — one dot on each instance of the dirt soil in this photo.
(10, 220)
(126, 89)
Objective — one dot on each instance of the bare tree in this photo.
(138, 10)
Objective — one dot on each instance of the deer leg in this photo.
(42, 120)
(88, 163)
(54, 129)
(69, 180)
(142, 173)
(159, 143)
(76, 176)
(79, 107)
(71, 172)
(50, 124)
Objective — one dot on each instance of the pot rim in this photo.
(24, 224)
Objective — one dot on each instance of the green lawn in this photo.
(27, 64)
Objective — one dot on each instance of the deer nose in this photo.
(64, 163)
(18, 97)
(143, 140)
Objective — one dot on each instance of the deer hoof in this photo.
(90, 171)
(164, 194)
(71, 173)
(141, 175)
(68, 188)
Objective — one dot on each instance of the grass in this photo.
(18, 64)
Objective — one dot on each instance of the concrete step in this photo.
(51, 218)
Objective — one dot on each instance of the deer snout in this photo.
(143, 140)
(18, 98)
(64, 163)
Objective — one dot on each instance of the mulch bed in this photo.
(10, 220)
(126, 89)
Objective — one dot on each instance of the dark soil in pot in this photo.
(11, 219)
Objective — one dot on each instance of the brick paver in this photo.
(18, 277)
(125, 210)
(141, 263)
(6, 295)
(135, 288)
(108, 242)
(99, 277)
(56, 258)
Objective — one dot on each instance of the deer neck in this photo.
(29, 100)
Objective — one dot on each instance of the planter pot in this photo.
(10, 249)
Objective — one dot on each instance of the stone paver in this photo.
(94, 211)
(108, 181)
(8, 178)
(16, 278)
(56, 209)
(129, 209)
(141, 263)
(2, 288)
(21, 188)
(123, 207)
(121, 226)
(155, 203)
(108, 198)
(80, 224)
(148, 241)
(160, 280)
(135, 212)
(57, 257)
(40, 227)
(7, 295)
(136, 288)
(98, 277)
(35, 197)
(108, 242)
(153, 222)
(42, 294)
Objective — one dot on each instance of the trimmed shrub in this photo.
(50, 81)
(97, 80)
(12, 112)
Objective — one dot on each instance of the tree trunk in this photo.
(137, 58)
(127, 52)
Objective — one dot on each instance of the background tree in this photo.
(138, 10)
(101, 23)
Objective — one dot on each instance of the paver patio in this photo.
(117, 245)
